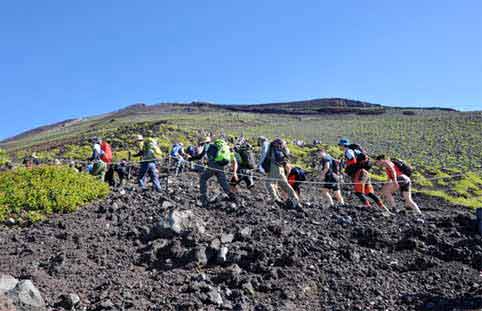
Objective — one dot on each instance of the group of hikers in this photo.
(212, 158)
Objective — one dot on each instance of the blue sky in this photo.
(63, 59)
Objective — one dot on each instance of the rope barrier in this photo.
(260, 178)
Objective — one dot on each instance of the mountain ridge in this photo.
(317, 106)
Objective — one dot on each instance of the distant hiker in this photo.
(107, 159)
(122, 170)
(177, 154)
(398, 173)
(274, 164)
(263, 143)
(98, 166)
(150, 155)
(246, 163)
(31, 161)
(218, 156)
(296, 175)
(330, 175)
(139, 141)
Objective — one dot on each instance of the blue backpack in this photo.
(175, 150)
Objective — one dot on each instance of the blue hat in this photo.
(344, 142)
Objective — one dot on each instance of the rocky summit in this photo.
(149, 251)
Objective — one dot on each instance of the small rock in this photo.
(248, 288)
(215, 244)
(215, 297)
(227, 238)
(69, 302)
(245, 233)
(167, 204)
(200, 256)
(106, 305)
(10, 222)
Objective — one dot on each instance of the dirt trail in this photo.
(115, 256)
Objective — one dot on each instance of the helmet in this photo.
(139, 138)
(344, 142)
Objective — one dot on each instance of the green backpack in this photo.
(220, 152)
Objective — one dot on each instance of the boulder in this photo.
(178, 223)
(26, 297)
(7, 282)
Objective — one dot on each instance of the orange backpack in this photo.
(107, 155)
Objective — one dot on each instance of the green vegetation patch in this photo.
(3, 157)
(29, 195)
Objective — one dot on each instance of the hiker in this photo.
(244, 156)
(150, 154)
(330, 170)
(263, 143)
(218, 156)
(364, 190)
(98, 166)
(398, 173)
(31, 161)
(274, 164)
(107, 159)
(177, 154)
(296, 175)
(122, 170)
(193, 151)
(355, 157)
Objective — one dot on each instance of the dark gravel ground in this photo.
(114, 257)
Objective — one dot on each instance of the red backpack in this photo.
(107, 155)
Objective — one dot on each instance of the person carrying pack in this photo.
(245, 158)
(330, 170)
(296, 175)
(177, 154)
(355, 157)
(107, 159)
(150, 154)
(263, 144)
(98, 166)
(398, 173)
(274, 164)
(218, 155)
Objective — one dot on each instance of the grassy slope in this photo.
(436, 143)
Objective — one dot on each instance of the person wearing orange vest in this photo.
(397, 180)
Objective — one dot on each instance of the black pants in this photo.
(109, 175)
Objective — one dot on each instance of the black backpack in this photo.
(299, 173)
(335, 166)
(247, 157)
(403, 167)
(360, 153)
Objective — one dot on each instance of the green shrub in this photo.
(32, 194)
(3, 157)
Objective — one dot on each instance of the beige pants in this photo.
(278, 173)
